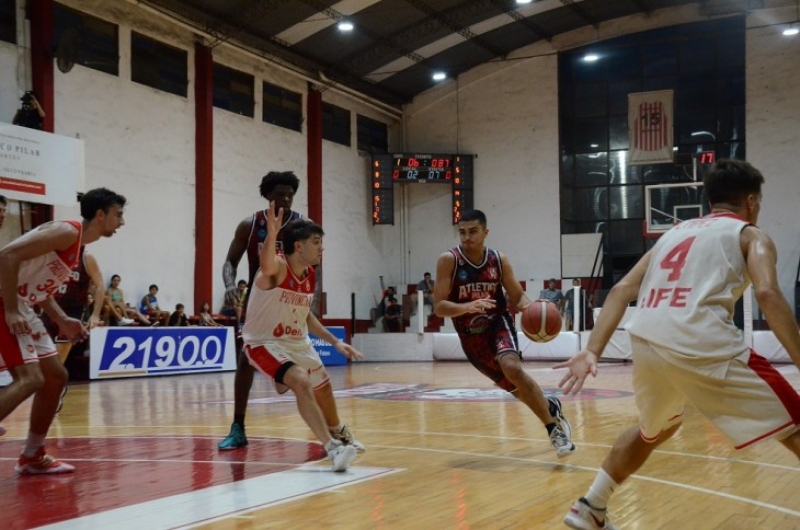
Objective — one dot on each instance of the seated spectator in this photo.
(426, 288)
(117, 301)
(551, 294)
(393, 319)
(237, 308)
(30, 114)
(178, 317)
(88, 309)
(149, 306)
(205, 316)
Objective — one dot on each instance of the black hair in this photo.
(299, 230)
(153, 286)
(474, 215)
(731, 181)
(100, 199)
(178, 307)
(276, 178)
(240, 282)
(3, 200)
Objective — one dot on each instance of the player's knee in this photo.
(30, 378)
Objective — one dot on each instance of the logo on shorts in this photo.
(479, 324)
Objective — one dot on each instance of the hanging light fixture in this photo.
(793, 28)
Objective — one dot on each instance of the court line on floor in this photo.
(223, 501)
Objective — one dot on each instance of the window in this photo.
(600, 192)
(233, 90)
(97, 40)
(335, 124)
(282, 107)
(8, 21)
(158, 65)
(373, 135)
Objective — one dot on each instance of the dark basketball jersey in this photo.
(472, 281)
(255, 242)
(71, 296)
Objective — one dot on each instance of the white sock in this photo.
(33, 443)
(601, 490)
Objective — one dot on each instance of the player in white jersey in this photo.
(279, 319)
(685, 345)
(32, 268)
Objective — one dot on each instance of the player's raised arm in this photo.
(271, 264)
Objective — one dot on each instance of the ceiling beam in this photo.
(537, 30)
(581, 12)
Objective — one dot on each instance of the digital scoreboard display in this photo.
(403, 168)
(429, 168)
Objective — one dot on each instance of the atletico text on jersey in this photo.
(696, 273)
(280, 313)
(474, 281)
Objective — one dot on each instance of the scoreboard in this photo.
(389, 169)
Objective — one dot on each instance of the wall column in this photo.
(204, 175)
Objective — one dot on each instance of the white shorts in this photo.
(745, 397)
(269, 357)
(16, 350)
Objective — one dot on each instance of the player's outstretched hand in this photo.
(481, 305)
(348, 351)
(578, 368)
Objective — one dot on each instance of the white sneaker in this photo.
(584, 517)
(345, 435)
(125, 321)
(341, 455)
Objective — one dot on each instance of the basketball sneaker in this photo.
(555, 411)
(341, 455)
(61, 399)
(40, 464)
(345, 435)
(124, 321)
(583, 517)
(235, 439)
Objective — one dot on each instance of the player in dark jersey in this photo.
(250, 235)
(470, 279)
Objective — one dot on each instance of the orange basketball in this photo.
(541, 321)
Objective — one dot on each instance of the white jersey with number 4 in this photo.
(280, 313)
(696, 274)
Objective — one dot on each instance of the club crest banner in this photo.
(650, 119)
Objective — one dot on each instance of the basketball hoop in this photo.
(649, 234)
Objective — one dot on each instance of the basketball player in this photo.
(470, 279)
(32, 267)
(279, 319)
(684, 342)
(85, 279)
(252, 232)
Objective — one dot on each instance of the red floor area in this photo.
(116, 472)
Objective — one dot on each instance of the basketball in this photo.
(541, 321)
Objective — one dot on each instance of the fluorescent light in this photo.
(345, 26)
(590, 57)
(524, 1)
(791, 31)
(438, 76)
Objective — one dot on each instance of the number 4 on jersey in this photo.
(675, 259)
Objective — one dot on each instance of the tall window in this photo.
(335, 124)
(8, 21)
(96, 41)
(233, 90)
(703, 64)
(158, 65)
(282, 107)
(373, 136)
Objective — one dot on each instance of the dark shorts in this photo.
(483, 349)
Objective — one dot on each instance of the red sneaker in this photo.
(41, 463)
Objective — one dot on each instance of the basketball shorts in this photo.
(484, 349)
(744, 397)
(271, 357)
(16, 350)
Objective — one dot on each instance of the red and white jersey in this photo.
(280, 313)
(696, 274)
(40, 277)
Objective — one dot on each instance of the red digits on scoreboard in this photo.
(413, 162)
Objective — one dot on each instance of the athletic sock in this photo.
(600, 490)
(33, 443)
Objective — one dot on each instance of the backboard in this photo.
(666, 205)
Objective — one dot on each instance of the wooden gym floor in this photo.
(445, 450)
